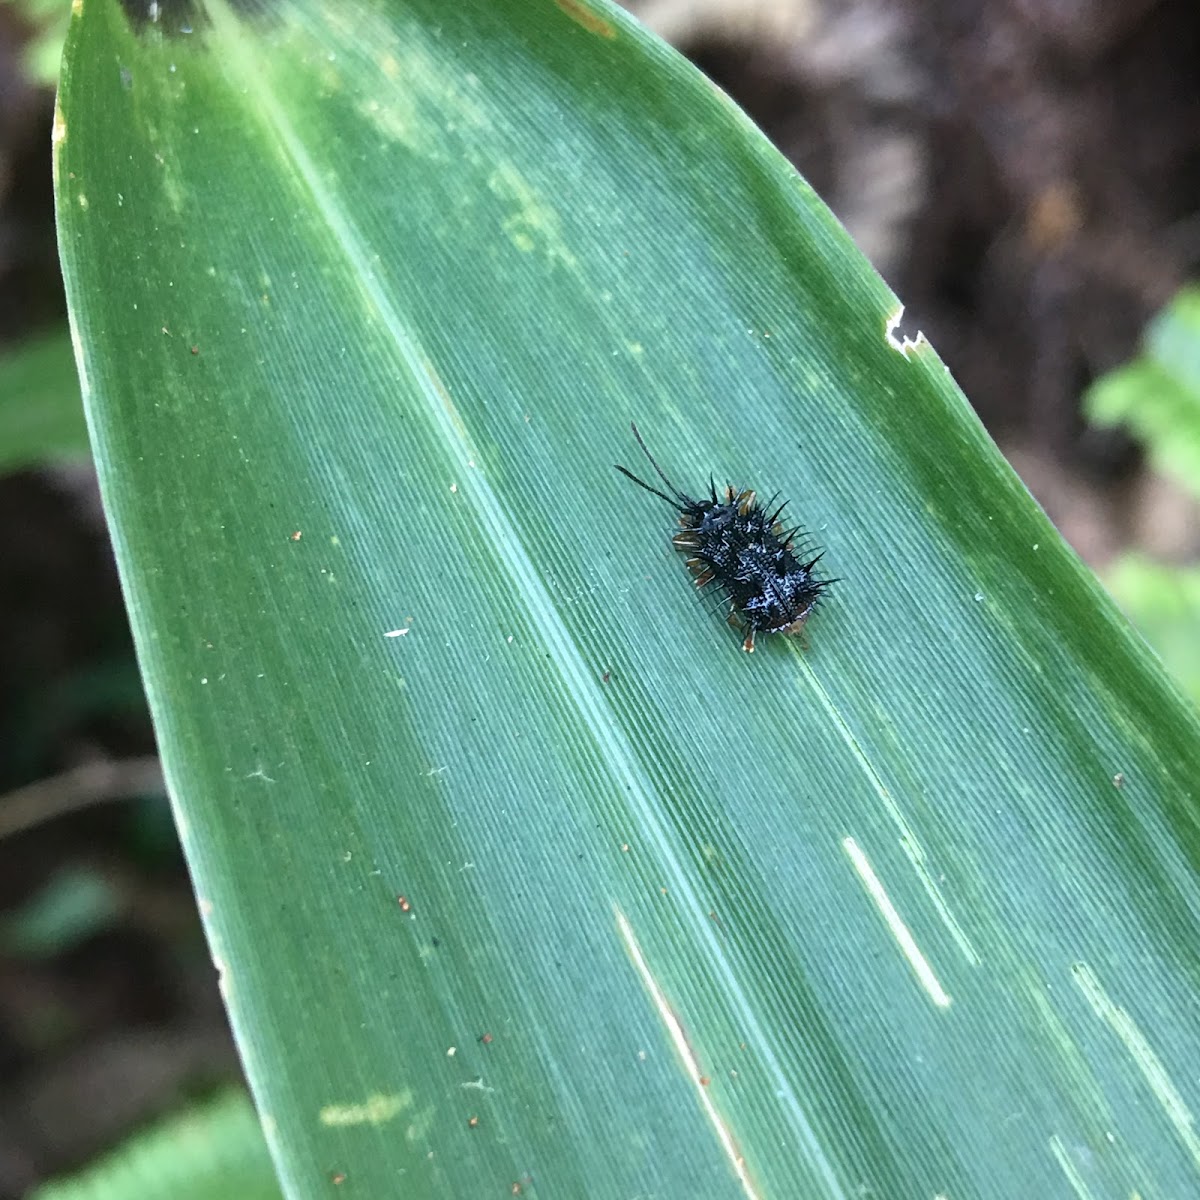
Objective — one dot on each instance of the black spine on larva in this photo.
(737, 546)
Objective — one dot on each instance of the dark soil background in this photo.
(1026, 175)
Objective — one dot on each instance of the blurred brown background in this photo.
(1025, 174)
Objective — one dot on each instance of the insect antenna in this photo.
(677, 499)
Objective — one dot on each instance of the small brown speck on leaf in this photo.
(486, 1039)
(337, 1178)
(403, 901)
(195, 349)
(297, 535)
(473, 1123)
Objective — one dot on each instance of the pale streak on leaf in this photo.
(1151, 1067)
(915, 854)
(895, 923)
(909, 843)
(686, 1055)
(1059, 1151)
(375, 1110)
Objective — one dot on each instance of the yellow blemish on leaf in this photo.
(398, 120)
(416, 96)
(168, 173)
(532, 224)
(375, 1110)
(591, 21)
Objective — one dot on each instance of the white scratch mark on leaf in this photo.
(895, 923)
(1059, 1151)
(909, 842)
(916, 855)
(1150, 1065)
(686, 1053)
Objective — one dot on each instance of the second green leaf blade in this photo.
(520, 873)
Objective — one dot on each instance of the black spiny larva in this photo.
(742, 549)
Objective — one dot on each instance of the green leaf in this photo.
(1158, 394)
(214, 1151)
(1163, 601)
(519, 874)
(41, 417)
(72, 906)
(43, 50)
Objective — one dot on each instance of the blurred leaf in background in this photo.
(214, 1151)
(1164, 602)
(1157, 397)
(72, 906)
(48, 19)
(41, 414)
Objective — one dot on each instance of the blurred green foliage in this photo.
(1157, 397)
(214, 1151)
(71, 906)
(1164, 602)
(41, 414)
(48, 20)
